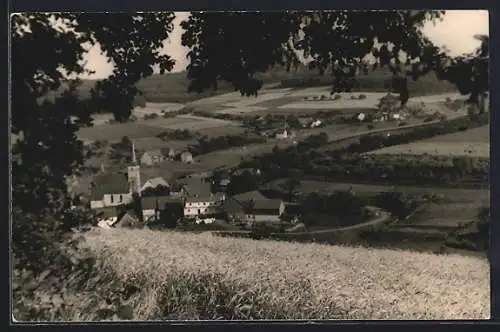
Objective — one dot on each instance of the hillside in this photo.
(173, 87)
(187, 276)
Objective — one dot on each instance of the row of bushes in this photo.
(177, 134)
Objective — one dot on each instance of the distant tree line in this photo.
(177, 134)
(347, 163)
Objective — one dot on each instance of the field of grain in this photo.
(193, 277)
(474, 142)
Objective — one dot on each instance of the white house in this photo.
(152, 157)
(316, 123)
(361, 116)
(205, 205)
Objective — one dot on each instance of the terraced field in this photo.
(474, 142)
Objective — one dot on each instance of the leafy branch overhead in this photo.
(236, 46)
(47, 55)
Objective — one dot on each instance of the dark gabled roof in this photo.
(150, 203)
(232, 205)
(266, 204)
(195, 186)
(109, 183)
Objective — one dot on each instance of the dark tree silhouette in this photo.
(222, 47)
(470, 73)
(44, 57)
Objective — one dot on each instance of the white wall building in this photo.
(198, 206)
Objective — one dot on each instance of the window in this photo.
(112, 196)
(121, 198)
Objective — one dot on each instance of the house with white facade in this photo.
(316, 123)
(203, 205)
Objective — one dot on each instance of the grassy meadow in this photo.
(473, 142)
(193, 277)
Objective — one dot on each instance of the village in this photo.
(194, 197)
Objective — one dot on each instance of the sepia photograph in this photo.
(249, 165)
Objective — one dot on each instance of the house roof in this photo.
(196, 186)
(150, 203)
(204, 198)
(157, 181)
(232, 205)
(109, 183)
(154, 153)
(266, 204)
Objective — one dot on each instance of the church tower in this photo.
(134, 174)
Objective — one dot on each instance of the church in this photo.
(114, 189)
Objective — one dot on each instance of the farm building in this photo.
(154, 183)
(109, 190)
(203, 205)
(197, 187)
(266, 209)
(152, 157)
(234, 210)
(186, 157)
(169, 153)
(152, 206)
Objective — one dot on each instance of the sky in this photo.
(456, 31)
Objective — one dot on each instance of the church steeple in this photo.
(134, 159)
(134, 173)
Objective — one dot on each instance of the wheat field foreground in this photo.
(188, 276)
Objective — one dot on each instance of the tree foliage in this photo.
(47, 53)
(470, 72)
(222, 47)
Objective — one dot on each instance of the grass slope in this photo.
(187, 276)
